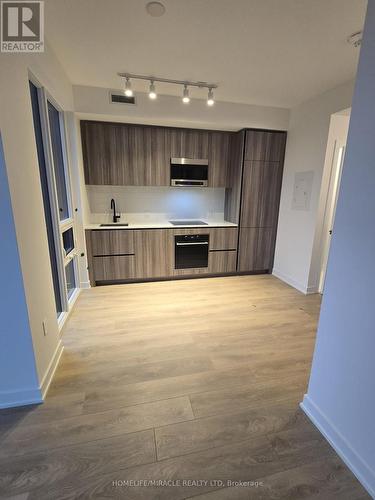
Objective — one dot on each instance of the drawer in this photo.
(223, 238)
(112, 242)
(222, 261)
(115, 267)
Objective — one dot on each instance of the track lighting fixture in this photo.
(152, 92)
(185, 95)
(184, 83)
(210, 97)
(128, 88)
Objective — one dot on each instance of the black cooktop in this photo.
(188, 223)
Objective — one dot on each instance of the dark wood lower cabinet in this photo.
(256, 247)
(114, 267)
(223, 238)
(111, 242)
(152, 253)
(123, 254)
(222, 261)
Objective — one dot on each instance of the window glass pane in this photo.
(46, 198)
(70, 278)
(58, 161)
(68, 241)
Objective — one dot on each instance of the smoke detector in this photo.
(155, 9)
(355, 39)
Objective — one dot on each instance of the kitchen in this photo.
(230, 180)
(169, 177)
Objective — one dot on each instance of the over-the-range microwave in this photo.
(189, 172)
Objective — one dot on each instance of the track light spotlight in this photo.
(128, 88)
(210, 97)
(152, 92)
(185, 95)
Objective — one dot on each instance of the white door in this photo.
(329, 217)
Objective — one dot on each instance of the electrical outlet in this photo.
(44, 326)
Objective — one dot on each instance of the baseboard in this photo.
(290, 281)
(338, 442)
(20, 398)
(36, 395)
(85, 285)
(48, 376)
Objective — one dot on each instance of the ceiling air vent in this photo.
(120, 98)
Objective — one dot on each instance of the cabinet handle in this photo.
(193, 243)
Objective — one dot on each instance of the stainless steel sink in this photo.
(114, 224)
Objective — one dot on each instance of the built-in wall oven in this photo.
(191, 251)
(189, 172)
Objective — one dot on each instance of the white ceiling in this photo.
(265, 52)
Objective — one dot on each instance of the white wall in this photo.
(18, 377)
(93, 102)
(17, 130)
(305, 151)
(340, 397)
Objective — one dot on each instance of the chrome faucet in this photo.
(113, 206)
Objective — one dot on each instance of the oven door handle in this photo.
(192, 243)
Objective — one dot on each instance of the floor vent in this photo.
(121, 98)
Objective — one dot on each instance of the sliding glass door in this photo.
(57, 196)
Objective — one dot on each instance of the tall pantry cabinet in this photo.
(263, 161)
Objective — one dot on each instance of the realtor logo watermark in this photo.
(22, 26)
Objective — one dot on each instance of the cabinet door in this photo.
(139, 155)
(223, 238)
(158, 166)
(256, 249)
(108, 154)
(112, 242)
(152, 252)
(218, 157)
(263, 145)
(114, 267)
(222, 261)
(189, 143)
(261, 193)
(149, 156)
(95, 152)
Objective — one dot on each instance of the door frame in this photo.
(58, 226)
(330, 209)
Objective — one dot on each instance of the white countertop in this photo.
(163, 225)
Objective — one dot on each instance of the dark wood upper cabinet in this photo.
(218, 158)
(95, 150)
(120, 154)
(188, 143)
(262, 145)
(149, 156)
(108, 154)
(139, 155)
(261, 187)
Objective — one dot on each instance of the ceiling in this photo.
(265, 52)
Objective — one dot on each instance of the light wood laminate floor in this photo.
(196, 382)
